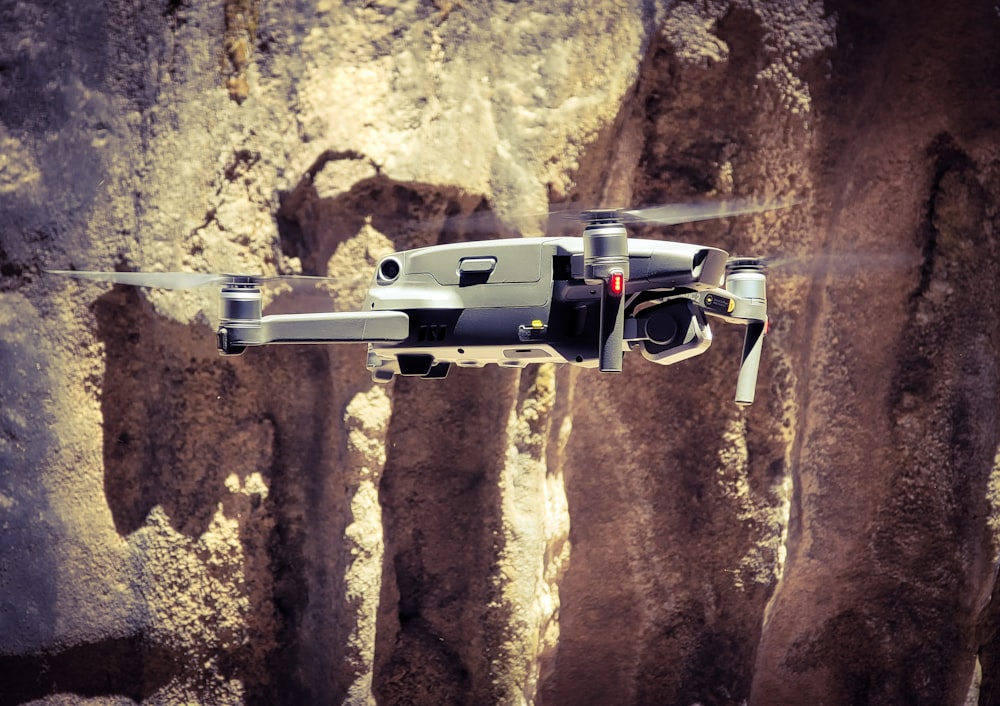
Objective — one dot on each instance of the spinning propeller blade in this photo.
(489, 222)
(186, 280)
(673, 214)
(842, 263)
(161, 280)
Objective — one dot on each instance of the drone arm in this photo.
(747, 284)
(346, 327)
(606, 264)
(744, 301)
(337, 327)
(612, 331)
(746, 382)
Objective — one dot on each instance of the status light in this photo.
(616, 284)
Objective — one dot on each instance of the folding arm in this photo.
(334, 327)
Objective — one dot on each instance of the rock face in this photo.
(184, 528)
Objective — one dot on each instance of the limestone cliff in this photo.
(274, 529)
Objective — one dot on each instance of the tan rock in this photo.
(181, 528)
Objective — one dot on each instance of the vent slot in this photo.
(432, 332)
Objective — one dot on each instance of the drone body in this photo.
(581, 301)
(530, 300)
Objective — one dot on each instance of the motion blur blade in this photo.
(190, 280)
(833, 263)
(293, 280)
(562, 215)
(748, 263)
(673, 214)
(160, 280)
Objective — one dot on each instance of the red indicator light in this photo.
(767, 325)
(616, 283)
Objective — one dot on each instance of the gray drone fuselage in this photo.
(519, 301)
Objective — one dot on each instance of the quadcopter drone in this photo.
(577, 300)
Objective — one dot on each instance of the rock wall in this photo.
(184, 528)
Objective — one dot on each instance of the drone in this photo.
(582, 300)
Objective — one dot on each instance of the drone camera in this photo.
(662, 324)
(673, 332)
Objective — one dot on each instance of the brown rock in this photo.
(180, 528)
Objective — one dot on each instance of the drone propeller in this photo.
(160, 280)
(186, 280)
(490, 223)
(677, 213)
(844, 263)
